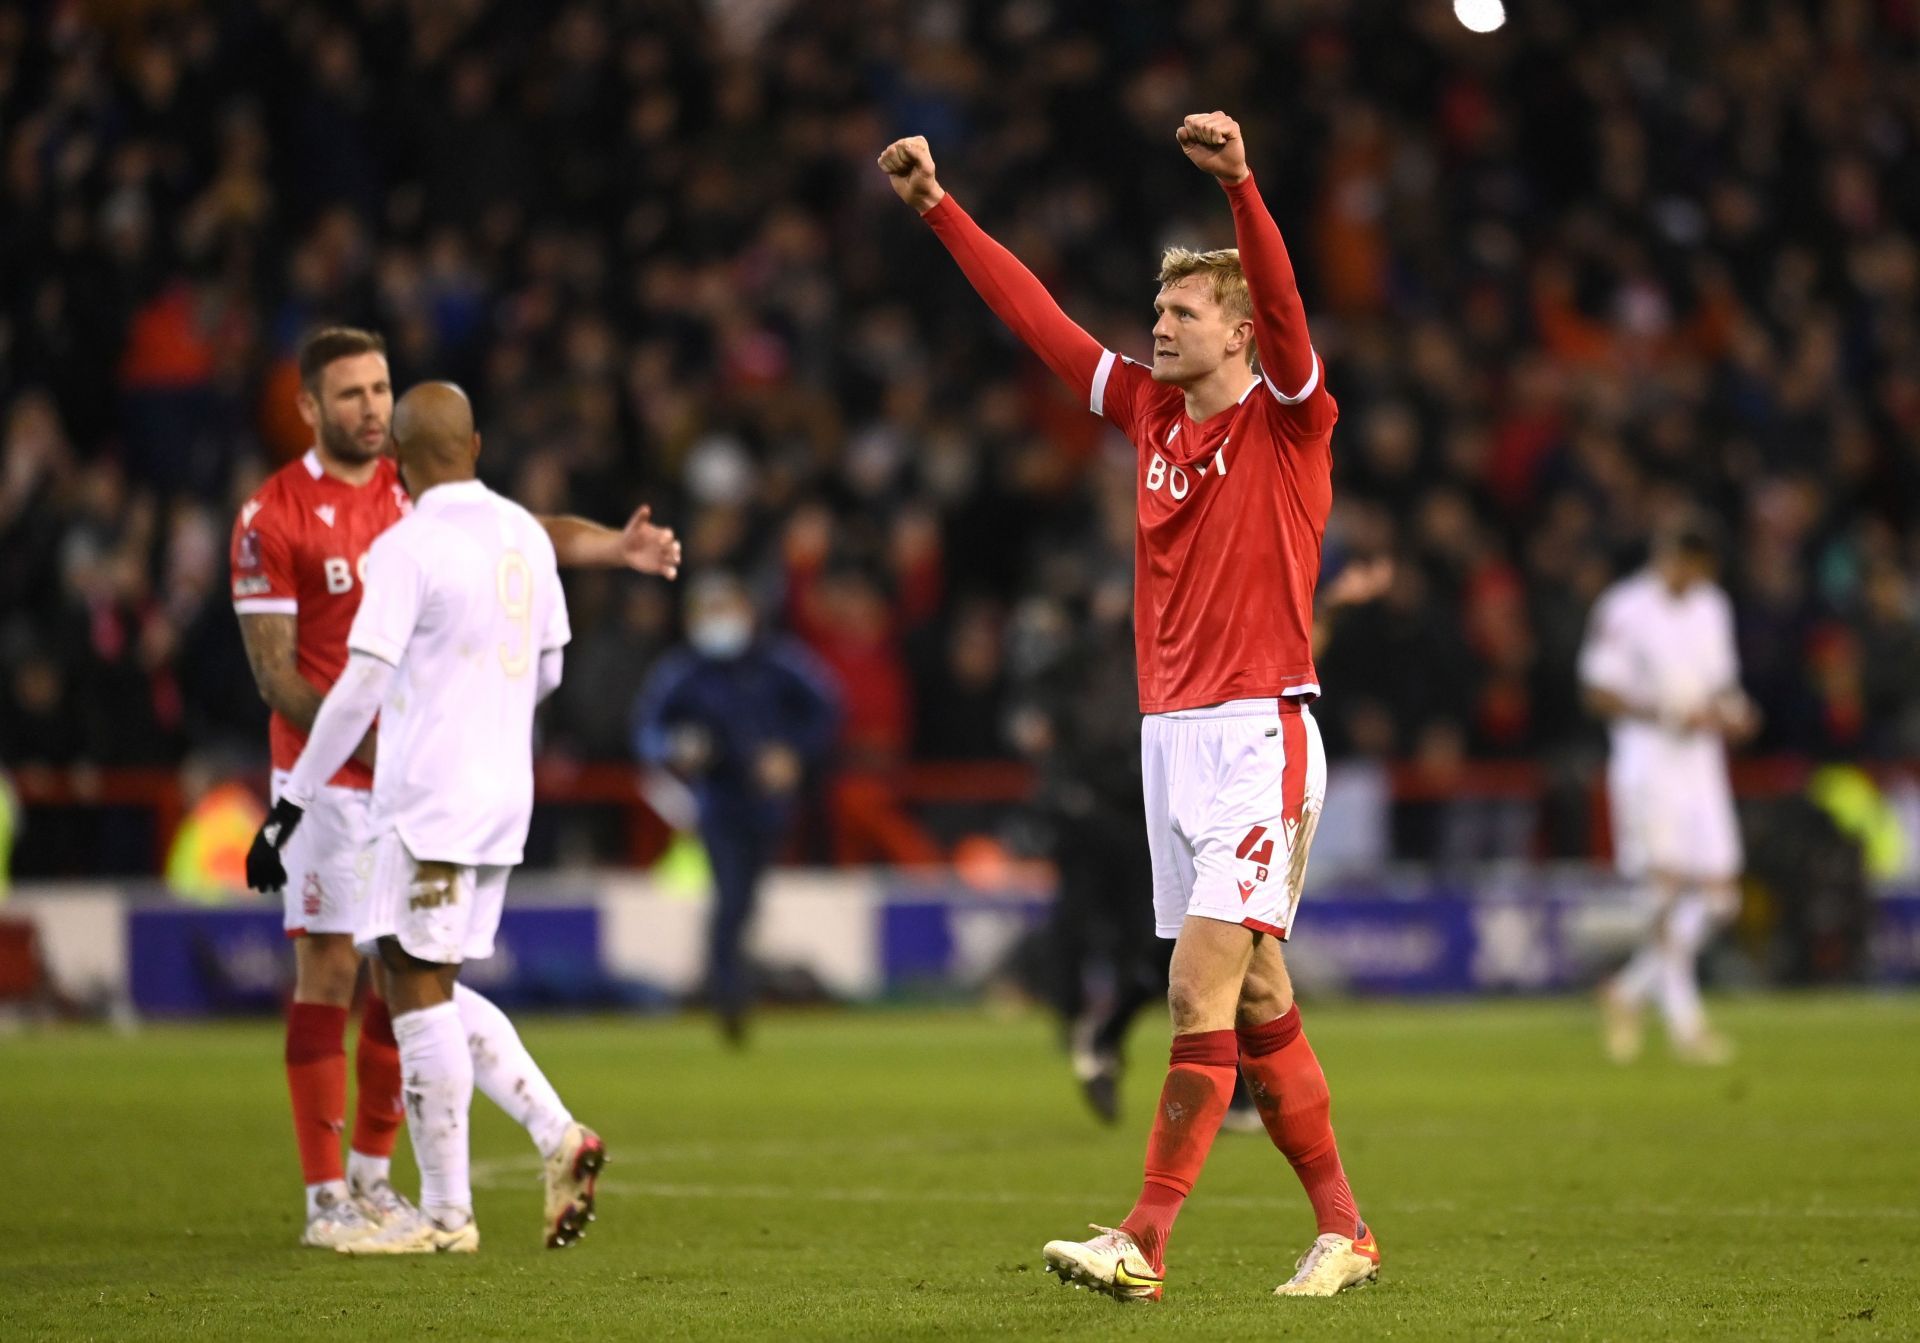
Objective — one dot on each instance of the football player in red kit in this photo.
(1233, 490)
(298, 554)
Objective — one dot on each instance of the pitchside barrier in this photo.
(620, 941)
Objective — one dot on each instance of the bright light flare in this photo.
(1480, 16)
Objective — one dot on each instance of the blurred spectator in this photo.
(746, 720)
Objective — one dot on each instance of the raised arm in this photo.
(1212, 140)
(1013, 292)
(640, 545)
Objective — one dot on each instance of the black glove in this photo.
(265, 871)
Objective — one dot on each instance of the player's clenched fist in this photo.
(1212, 140)
(909, 163)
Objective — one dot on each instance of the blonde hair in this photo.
(1225, 280)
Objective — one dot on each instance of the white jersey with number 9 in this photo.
(462, 597)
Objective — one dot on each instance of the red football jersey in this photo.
(300, 549)
(1227, 546)
(1231, 509)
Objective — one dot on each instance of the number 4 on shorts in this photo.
(1261, 856)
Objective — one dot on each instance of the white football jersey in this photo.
(1671, 654)
(461, 596)
(1671, 802)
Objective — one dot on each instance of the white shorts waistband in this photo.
(1265, 706)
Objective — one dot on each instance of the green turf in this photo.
(892, 1175)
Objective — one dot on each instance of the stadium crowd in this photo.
(1563, 277)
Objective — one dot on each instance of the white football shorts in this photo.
(321, 859)
(1675, 822)
(1234, 792)
(443, 913)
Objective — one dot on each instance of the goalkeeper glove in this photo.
(265, 871)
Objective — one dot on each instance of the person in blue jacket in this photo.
(744, 718)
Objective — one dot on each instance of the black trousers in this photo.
(740, 843)
(1103, 920)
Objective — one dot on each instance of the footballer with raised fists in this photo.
(1232, 421)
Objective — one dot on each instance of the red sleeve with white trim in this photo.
(1123, 391)
(261, 559)
(1288, 364)
(1017, 297)
(1115, 387)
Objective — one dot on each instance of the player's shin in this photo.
(1291, 1092)
(438, 1080)
(1690, 926)
(316, 1062)
(1192, 1103)
(506, 1073)
(377, 1104)
(1639, 979)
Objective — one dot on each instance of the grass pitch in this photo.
(892, 1175)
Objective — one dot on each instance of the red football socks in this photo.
(317, 1081)
(378, 1107)
(1291, 1092)
(1192, 1103)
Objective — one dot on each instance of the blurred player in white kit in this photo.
(1660, 665)
(458, 637)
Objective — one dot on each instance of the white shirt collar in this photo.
(312, 463)
(448, 492)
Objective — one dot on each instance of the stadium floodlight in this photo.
(1480, 16)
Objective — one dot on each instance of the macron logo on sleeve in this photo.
(249, 512)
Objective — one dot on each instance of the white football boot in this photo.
(1334, 1263)
(1111, 1263)
(571, 1172)
(335, 1222)
(413, 1232)
(379, 1202)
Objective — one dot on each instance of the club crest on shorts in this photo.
(313, 896)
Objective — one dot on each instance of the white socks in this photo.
(506, 1073)
(1688, 928)
(444, 1052)
(1666, 968)
(1641, 977)
(331, 1191)
(437, 1073)
(364, 1172)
